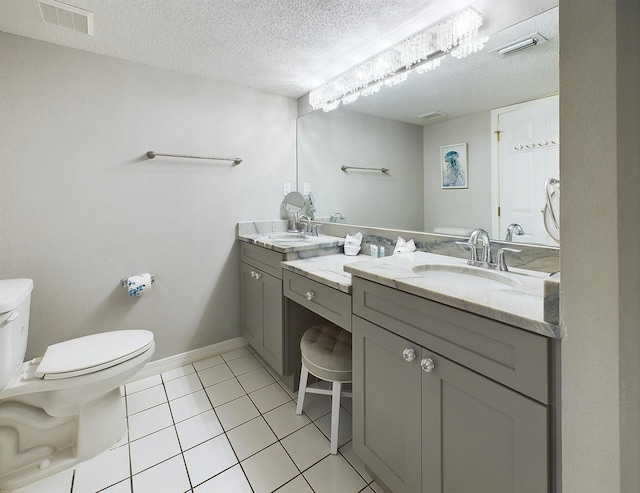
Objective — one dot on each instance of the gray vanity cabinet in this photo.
(424, 422)
(262, 305)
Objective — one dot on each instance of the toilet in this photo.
(66, 406)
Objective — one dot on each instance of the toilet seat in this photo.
(92, 353)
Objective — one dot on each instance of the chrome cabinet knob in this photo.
(310, 295)
(409, 354)
(427, 365)
(255, 275)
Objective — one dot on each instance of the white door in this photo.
(527, 154)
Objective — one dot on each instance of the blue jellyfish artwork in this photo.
(453, 171)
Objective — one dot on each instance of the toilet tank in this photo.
(15, 301)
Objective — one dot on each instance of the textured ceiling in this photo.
(286, 47)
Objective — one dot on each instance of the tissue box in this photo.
(351, 249)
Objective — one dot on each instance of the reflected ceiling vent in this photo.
(433, 115)
(519, 45)
(67, 16)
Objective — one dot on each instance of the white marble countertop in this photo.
(520, 304)
(326, 269)
(283, 242)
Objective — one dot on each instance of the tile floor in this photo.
(224, 424)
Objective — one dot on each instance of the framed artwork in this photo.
(453, 163)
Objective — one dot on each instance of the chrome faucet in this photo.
(302, 219)
(486, 260)
(513, 228)
(486, 243)
(335, 216)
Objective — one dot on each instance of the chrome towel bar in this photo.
(152, 154)
(345, 168)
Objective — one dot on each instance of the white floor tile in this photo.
(232, 481)
(236, 353)
(169, 476)
(149, 421)
(306, 446)
(244, 364)
(59, 482)
(344, 426)
(236, 412)
(251, 437)
(269, 469)
(269, 397)
(284, 420)
(198, 429)
(144, 399)
(153, 449)
(296, 485)
(121, 487)
(215, 374)
(103, 470)
(177, 372)
(181, 386)
(224, 392)
(332, 474)
(207, 363)
(348, 453)
(255, 379)
(316, 405)
(189, 405)
(143, 383)
(209, 459)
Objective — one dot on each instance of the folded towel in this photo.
(355, 240)
(404, 246)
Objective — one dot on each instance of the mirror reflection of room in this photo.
(505, 115)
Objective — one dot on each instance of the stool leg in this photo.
(302, 388)
(335, 415)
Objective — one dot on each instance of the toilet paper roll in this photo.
(138, 285)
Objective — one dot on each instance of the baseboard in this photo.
(177, 360)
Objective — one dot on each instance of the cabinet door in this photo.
(273, 335)
(386, 405)
(262, 314)
(251, 306)
(479, 436)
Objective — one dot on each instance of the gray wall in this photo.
(326, 141)
(600, 176)
(81, 207)
(445, 207)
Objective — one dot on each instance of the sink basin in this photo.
(287, 237)
(465, 276)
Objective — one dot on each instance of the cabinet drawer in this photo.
(506, 354)
(327, 302)
(262, 258)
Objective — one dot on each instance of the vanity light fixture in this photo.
(520, 44)
(423, 51)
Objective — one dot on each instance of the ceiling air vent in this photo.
(67, 16)
(433, 115)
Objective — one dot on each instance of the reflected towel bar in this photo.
(236, 160)
(345, 168)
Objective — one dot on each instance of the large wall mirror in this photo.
(406, 128)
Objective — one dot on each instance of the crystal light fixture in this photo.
(456, 35)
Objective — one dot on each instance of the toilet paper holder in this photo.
(124, 282)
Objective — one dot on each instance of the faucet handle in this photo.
(502, 264)
(473, 251)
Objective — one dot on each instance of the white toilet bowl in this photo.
(65, 407)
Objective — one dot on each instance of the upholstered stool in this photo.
(326, 354)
